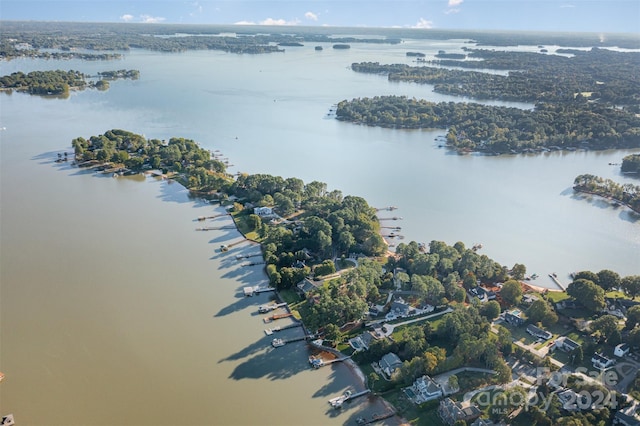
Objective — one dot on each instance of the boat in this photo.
(339, 400)
(224, 248)
(276, 343)
(316, 362)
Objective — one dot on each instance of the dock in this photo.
(201, 218)
(250, 291)
(555, 279)
(263, 309)
(317, 362)
(375, 418)
(277, 317)
(390, 218)
(215, 228)
(276, 343)
(270, 331)
(346, 397)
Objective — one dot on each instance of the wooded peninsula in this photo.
(60, 82)
(590, 100)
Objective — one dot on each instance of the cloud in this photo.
(423, 23)
(450, 11)
(269, 21)
(453, 3)
(148, 19)
(311, 16)
(127, 18)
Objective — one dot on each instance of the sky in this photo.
(526, 15)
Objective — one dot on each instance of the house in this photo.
(426, 389)
(389, 364)
(514, 317)
(451, 412)
(625, 419)
(538, 332)
(569, 399)
(399, 308)
(566, 345)
(621, 350)
(601, 362)
(305, 286)
(361, 342)
(529, 298)
(478, 293)
(263, 211)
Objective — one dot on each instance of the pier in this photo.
(375, 418)
(270, 331)
(390, 218)
(276, 343)
(250, 291)
(201, 218)
(317, 362)
(215, 228)
(555, 279)
(346, 397)
(263, 309)
(277, 317)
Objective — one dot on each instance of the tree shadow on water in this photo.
(272, 363)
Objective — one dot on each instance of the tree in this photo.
(254, 221)
(587, 275)
(604, 327)
(490, 310)
(511, 292)
(587, 293)
(541, 311)
(453, 382)
(332, 333)
(631, 285)
(608, 280)
(518, 271)
(633, 317)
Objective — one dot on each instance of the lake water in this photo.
(114, 311)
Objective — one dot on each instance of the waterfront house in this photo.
(389, 364)
(514, 317)
(399, 308)
(621, 350)
(361, 342)
(601, 362)
(426, 389)
(566, 345)
(538, 332)
(569, 399)
(450, 412)
(306, 285)
(263, 211)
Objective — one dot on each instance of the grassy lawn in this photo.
(557, 296)
(242, 222)
(415, 415)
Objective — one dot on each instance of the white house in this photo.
(601, 362)
(263, 211)
(621, 350)
(426, 389)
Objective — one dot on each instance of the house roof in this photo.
(308, 285)
(390, 361)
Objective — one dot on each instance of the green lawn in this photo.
(415, 415)
(557, 296)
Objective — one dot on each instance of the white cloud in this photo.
(453, 3)
(127, 18)
(269, 21)
(450, 11)
(148, 19)
(423, 23)
(311, 16)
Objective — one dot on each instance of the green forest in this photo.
(627, 194)
(60, 82)
(492, 129)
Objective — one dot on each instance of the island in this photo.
(59, 83)
(627, 194)
(430, 326)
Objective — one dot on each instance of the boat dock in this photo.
(215, 228)
(201, 218)
(277, 317)
(346, 397)
(375, 418)
(250, 291)
(263, 309)
(270, 331)
(555, 279)
(247, 256)
(276, 343)
(317, 362)
(390, 218)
